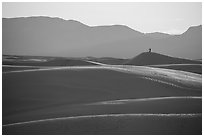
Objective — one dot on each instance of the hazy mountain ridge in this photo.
(58, 37)
(158, 35)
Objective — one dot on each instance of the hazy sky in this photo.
(173, 18)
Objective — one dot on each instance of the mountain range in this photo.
(46, 36)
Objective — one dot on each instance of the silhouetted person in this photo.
(150, 49)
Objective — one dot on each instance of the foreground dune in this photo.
(113, 124)
(45, 93)
(161, 105)
(100, 95)
(179, 77)
(139, 116)
(194, 68)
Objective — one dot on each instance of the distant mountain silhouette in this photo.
(158, 35)
(68, 38)
(151, 58)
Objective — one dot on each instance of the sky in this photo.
(172, 18)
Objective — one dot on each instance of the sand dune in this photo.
(194, 68)
(85, 99)
(124, 101)
(106, 115)
(109, 60)
(166, 105)
(164, 75)
(155, 74)
(48, 62)
(151, 58)
(38, 90)
(148, 112)
(117, 124)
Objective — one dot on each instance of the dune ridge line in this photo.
(123, 101)
(109, 115)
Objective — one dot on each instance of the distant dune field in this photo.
(152, 58)
(43, 61)
(8, 69)
(110, 61)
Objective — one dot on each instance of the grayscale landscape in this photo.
(63, 77)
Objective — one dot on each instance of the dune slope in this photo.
(194, 68)
(109, 90)
(151, 58)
